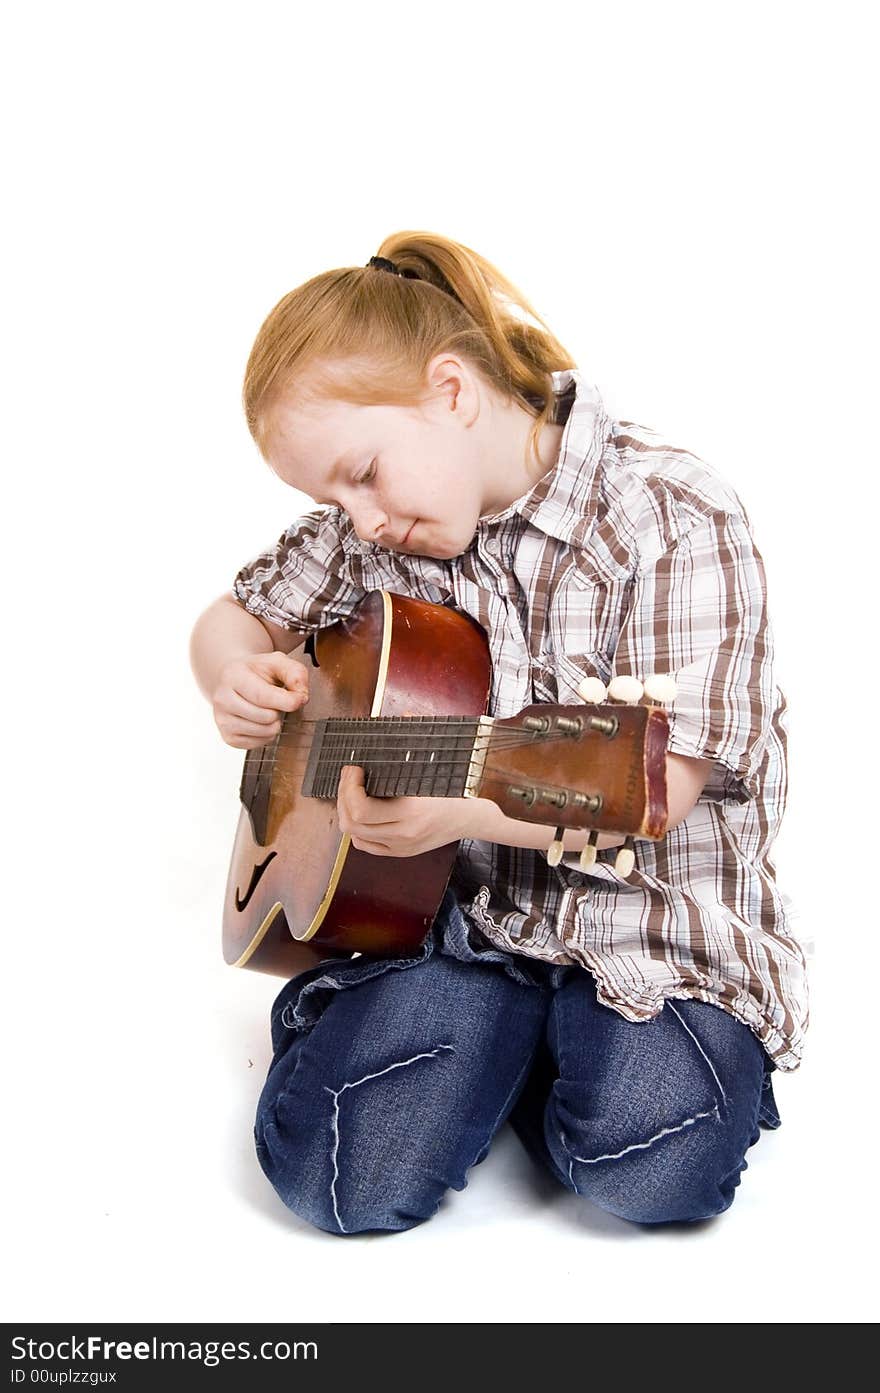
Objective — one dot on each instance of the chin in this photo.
(443, 551)
(456, 546)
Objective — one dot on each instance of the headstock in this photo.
(600, 766)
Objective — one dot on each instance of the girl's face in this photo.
(412, 479)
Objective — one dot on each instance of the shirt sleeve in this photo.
(699, 611)
(305, 580)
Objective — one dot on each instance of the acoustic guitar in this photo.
(400, 688)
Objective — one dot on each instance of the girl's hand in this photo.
(397, 826)
(252, 692)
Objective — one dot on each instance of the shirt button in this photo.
(492, 546)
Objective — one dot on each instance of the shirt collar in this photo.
(563, 502)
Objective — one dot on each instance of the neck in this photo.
(511, 469)
(411, 756)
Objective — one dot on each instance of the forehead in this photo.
(311, 424)
(313, 436)
(309, 438)
(314, 447)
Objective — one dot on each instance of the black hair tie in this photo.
(383, 264)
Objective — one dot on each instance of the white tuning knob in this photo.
(628, 689)
(625, 859)
(554, 851)
(592, 690)
(587, 857)
(660, 687)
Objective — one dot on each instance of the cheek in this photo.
(436, 493)
(454, 489)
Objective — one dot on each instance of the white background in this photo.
(683, 191)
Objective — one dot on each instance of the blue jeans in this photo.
(391, 1077)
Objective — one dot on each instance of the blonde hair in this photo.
(362, 335)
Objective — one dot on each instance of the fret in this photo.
(406, 756)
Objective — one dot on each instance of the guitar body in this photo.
(298, 891)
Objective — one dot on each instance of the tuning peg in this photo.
(554, 850)
(626, 689)
(592, 690)
(588, 855)
(661, 688)
(625, 858)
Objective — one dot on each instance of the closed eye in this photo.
(368, 476)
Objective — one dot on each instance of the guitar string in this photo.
(374, 758)
(379, 741)
(427, 740)
(374, 745)
(458, 740)
(388, 754)
(495, 771)
(375, 752)
(397, 737)
(375, 766)
(417, 725)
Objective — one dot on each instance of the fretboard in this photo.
(406, 756)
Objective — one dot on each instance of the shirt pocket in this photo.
(583, 625)
(557, 675)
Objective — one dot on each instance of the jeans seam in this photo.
(639, 1145)
(690, 1032)
(399, 1064)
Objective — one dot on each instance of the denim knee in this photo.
(341, 1168)
(311, 1197)
(380, 1103)
(686, 1170)
(651, 1120)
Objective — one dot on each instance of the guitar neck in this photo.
(406, 756)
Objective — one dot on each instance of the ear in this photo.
(453, 384)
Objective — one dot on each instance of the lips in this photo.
(405, 539)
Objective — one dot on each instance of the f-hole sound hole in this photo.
(241, 902)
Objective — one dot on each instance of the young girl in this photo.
(627, 1025)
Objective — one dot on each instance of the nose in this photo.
(369, 522)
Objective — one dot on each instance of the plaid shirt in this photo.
(632, 557)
